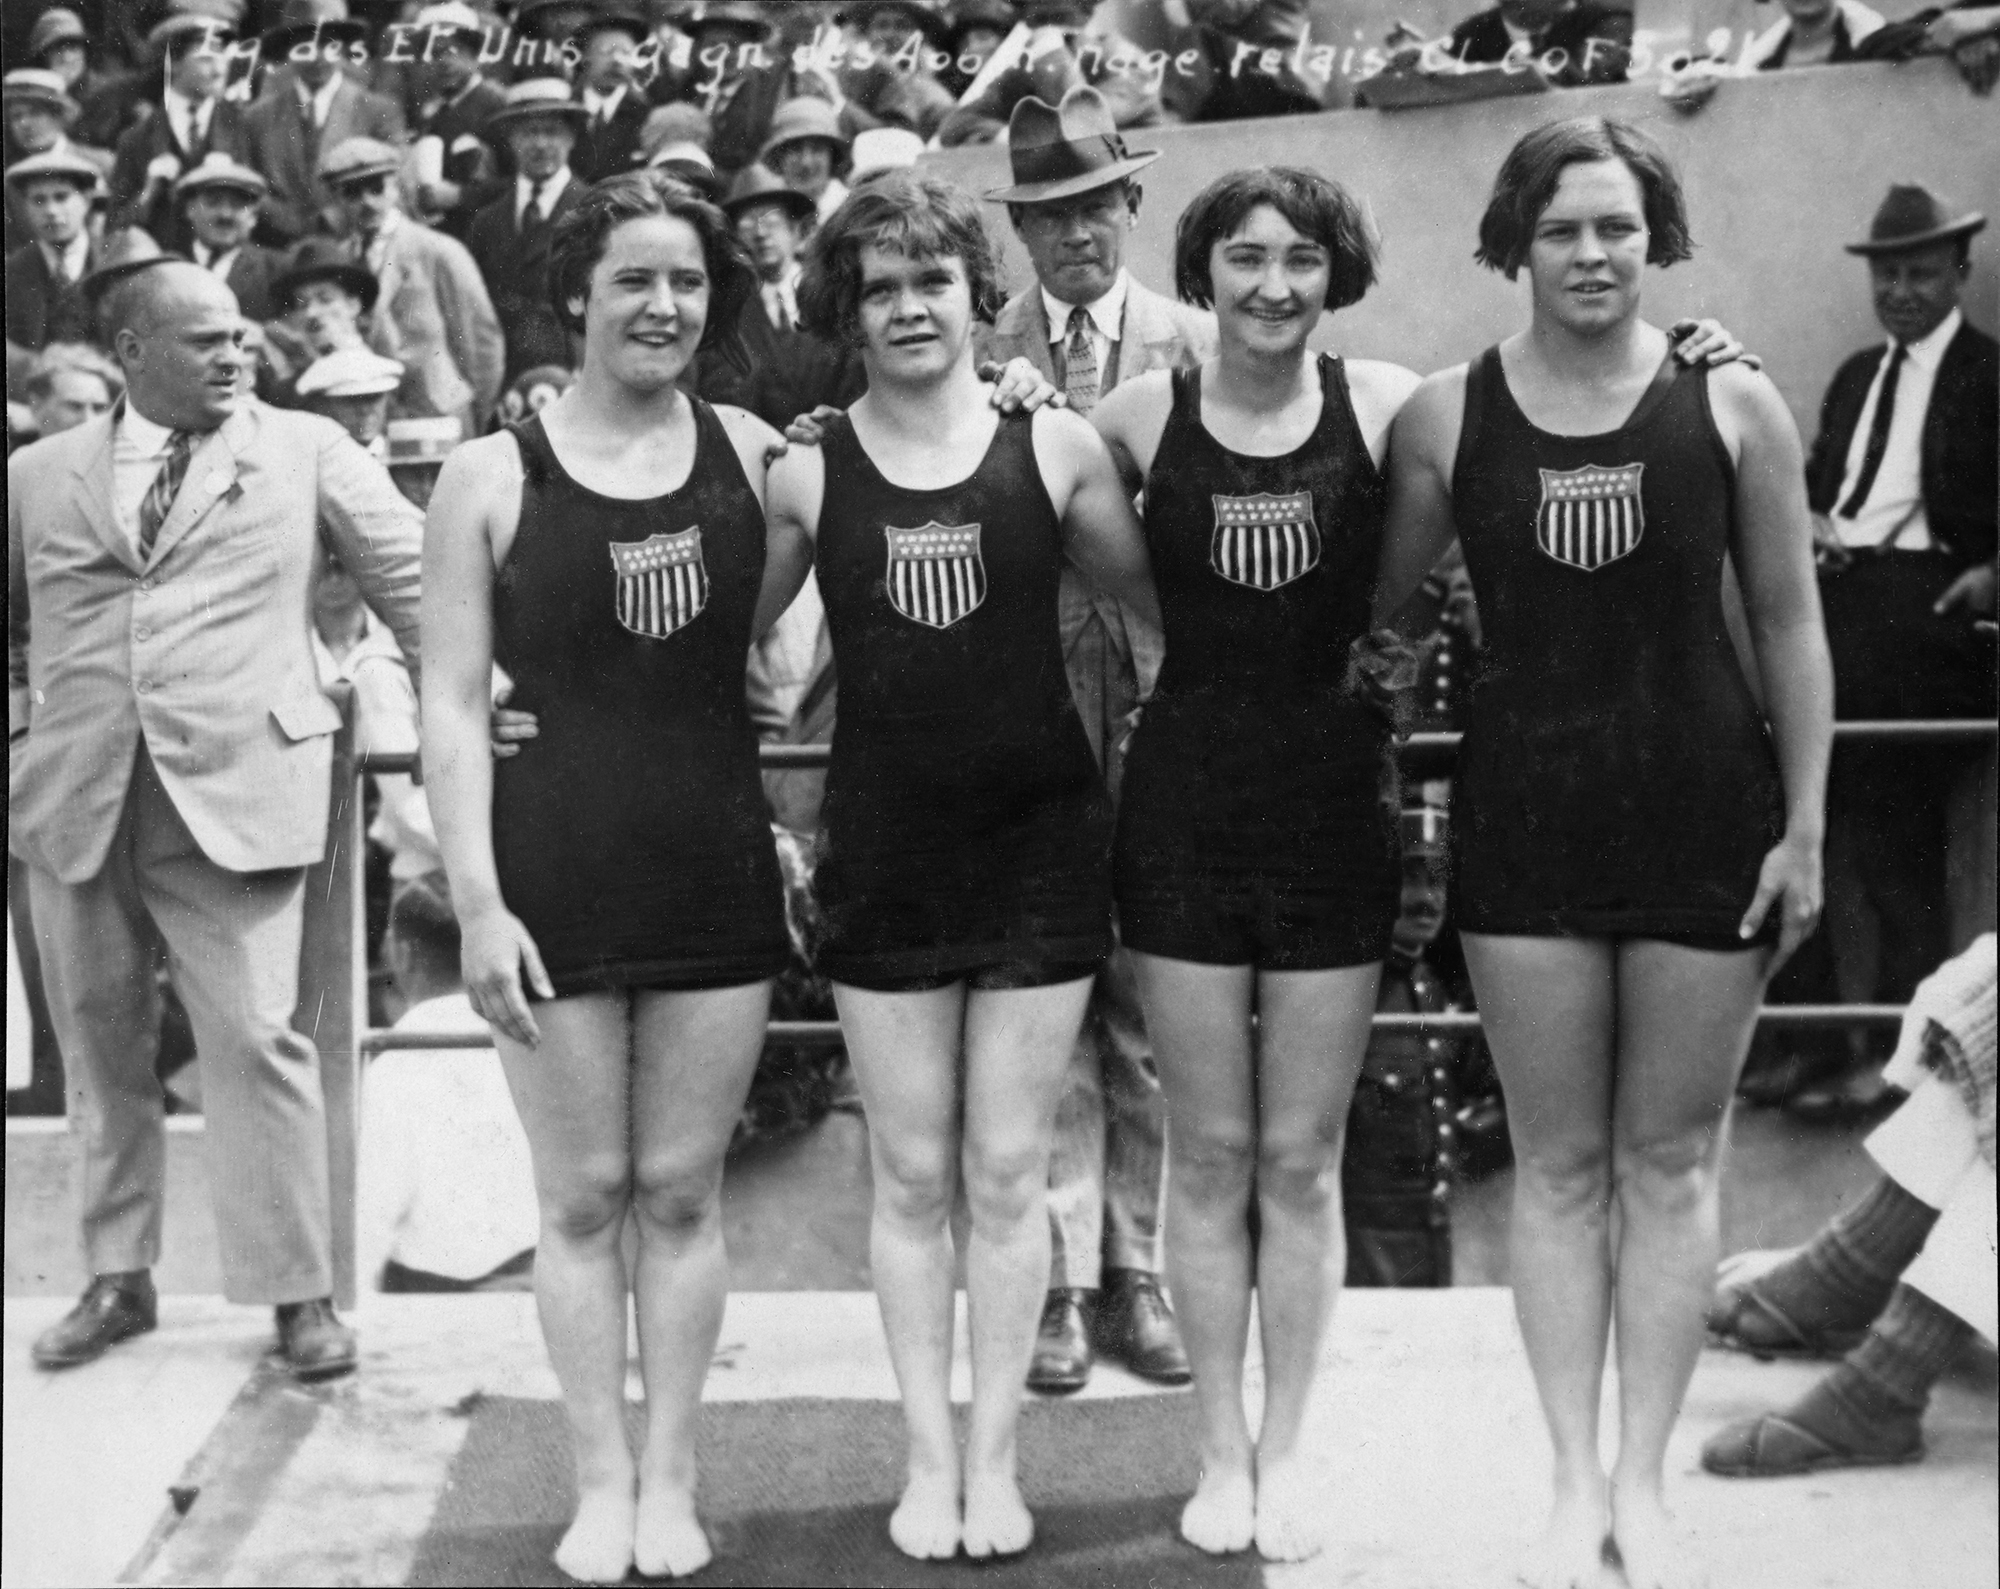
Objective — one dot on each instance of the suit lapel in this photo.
(92, 470)
(211, 473)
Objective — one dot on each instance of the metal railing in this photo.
(333, 980)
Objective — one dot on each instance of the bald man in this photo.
(170, 754)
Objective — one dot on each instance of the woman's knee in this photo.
(1570, 1174)
(673, 1193)
(1298, 1170)
(1213, 1167)
(1005, 1182)
(1675, 1167)
(915, 1181)
(588, 1197)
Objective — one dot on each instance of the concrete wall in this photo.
(1780, 171)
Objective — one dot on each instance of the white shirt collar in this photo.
(66, 263)
(1929, 349)
(552, 190)
(603, 104)
(471, 83)
(1107, 314)
(185, 116)
(317, 103)
(140, 434)
(210, 260)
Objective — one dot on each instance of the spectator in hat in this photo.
(310, 106)
(418, 447)
(739, 77)
(1812, 33)
(1088, 327)
(791, 371)
(220, 200)
(59, 42)
(352, 387)
(1901, 484)
(608, 141)
(808, 149)
(39, 113)
(177, 133)
(1065, 51)
(510, 237)
(975, 29)
(45, 301)
(1577, 42)
(894, 84)
(325, 301)
(675, 139)
(457, 108)
(445, 329)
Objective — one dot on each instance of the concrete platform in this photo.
(1431, 1444)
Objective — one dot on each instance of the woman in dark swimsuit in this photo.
(1632, 829)
(610, 553)
(1256, 871)
(966, 835)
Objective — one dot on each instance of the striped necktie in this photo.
(159, 500)
(1080, 375)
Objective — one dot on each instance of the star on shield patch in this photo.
(1264, 541)
(935, 575)
(662, 582)
(1590, 516)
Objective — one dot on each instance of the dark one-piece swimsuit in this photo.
(1617, 777)
(631, 835)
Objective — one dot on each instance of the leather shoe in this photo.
(113, 1308)
(1062, 1359)
(313, 1342)
(1136, 1327)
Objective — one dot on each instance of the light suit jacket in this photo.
(204, 651)
(1111, 654)
(447, 333)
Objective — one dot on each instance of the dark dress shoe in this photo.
(313, 1342)
(1062, 1360)
(113, 1308)
(1136, 1327)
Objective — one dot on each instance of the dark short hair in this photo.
(582, 233)
(422, 919)
(920, 217)
(1534, 166)
(1317, 206)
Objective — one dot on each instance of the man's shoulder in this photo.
(296, 433)
(54, 455)
(1021, 314)
(25, 259)
(1970, 345)
(1157, 318)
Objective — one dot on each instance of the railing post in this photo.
(333, 991)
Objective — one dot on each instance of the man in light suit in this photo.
(308, 107)
(170, 755)
(1087, 325)
(447, 333)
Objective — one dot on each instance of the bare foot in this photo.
(1655, 1553)
(925, 1522)
(1222, 1516)
(1570, 1552)
(997, 1521)
(598, 1546)
(667, 1539)
(1290, 1517)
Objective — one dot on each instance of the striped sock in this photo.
(1912, 1343)
(1843, 1277)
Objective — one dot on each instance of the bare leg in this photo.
(1549, 1009)
(1312, 1031)
(693, 1057)
(573, 1094)
(904, 1047)
(1017, 1050)
(1684, 1022)
(1199, 1019)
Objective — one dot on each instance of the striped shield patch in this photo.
(1590, 516)
(1264, 541)
(936, 575)
(662, 582)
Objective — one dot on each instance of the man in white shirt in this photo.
(446, 1187)
(1902, 485)
(609, 140)
(193, 118)
(221, 198)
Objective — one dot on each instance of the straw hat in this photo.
(415, 443)
(61, 164)
(36, 86)
(537, 96)
(350, 372)
(58, 25)
(218, 170)
(354, 158)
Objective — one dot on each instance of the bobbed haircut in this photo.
(919, 217)
(583, 233)
(1534, 166)
(1317, 207)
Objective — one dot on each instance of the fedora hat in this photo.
(801, 118)
(39, 87)
(125, 254)
(179, 33)
(1912, 216)
(537, 96)
(996, 16)
(610, 17)
(311, 21)
(1061, 150)
(759, 184)
(56, 26)
(322, 259)
(218, 170)
(62, 164)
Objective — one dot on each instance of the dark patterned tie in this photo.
(165, 487)
(1080, 373)
(1878, 436)
(532, 219)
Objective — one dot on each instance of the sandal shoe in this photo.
(1774, 1446)
(1744, 1319)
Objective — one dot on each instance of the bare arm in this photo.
(1423, 444)
(1773, 552)
(1131, 418)
(793, 494)
(1101, 534)
(476, 505)
(788, 551)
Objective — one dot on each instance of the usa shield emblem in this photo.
(936, 575)
(662, 582)
(1264, 541)
(1590, 516)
